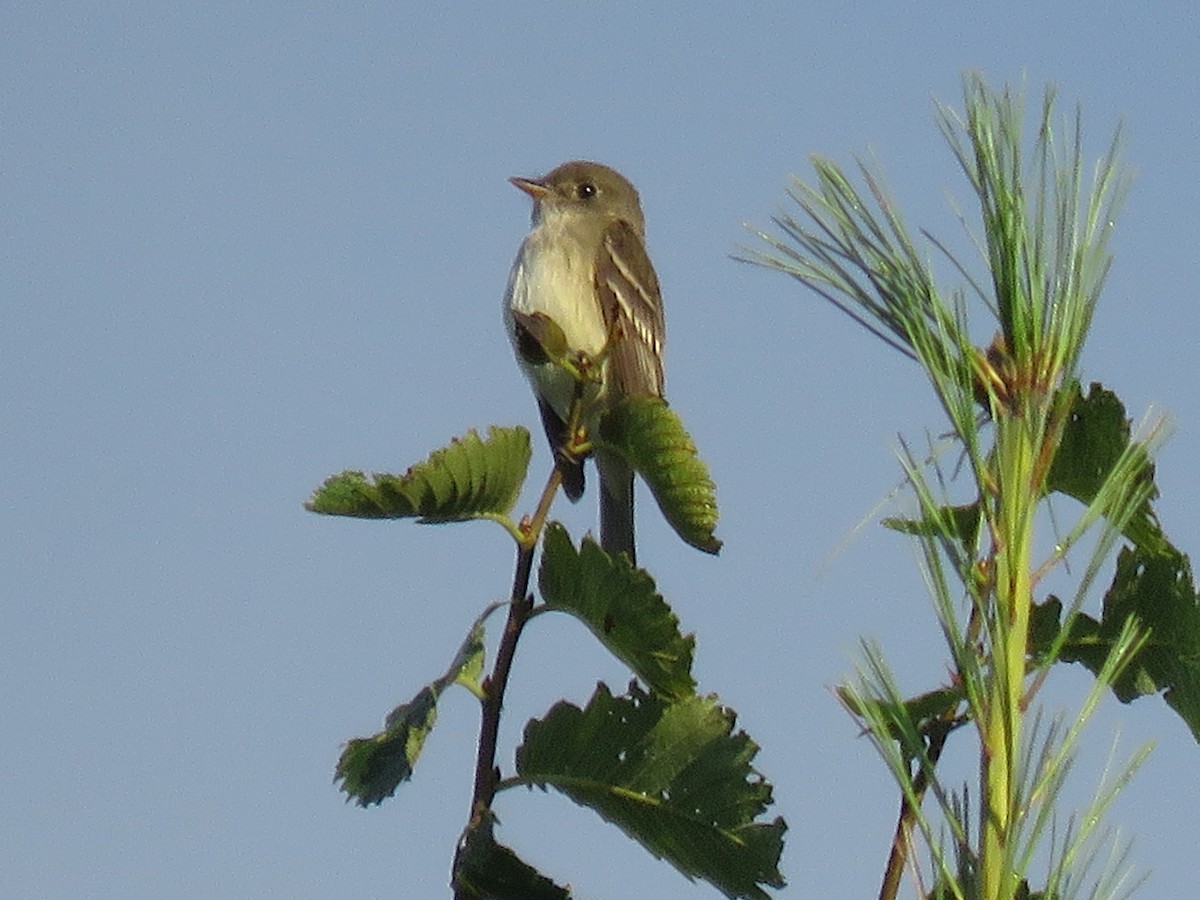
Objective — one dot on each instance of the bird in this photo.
(584, 267)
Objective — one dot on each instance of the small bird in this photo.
(584, 266)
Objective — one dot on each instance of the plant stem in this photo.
(494, 686)
(902, 841)
(487, 775)
(520, 606)
(1016, 453)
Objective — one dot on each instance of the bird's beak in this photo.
(534, 188)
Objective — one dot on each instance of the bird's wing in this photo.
(627, 288)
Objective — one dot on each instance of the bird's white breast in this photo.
(555, 278)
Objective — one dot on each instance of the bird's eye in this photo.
(587, 191)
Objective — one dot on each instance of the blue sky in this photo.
(246, 246)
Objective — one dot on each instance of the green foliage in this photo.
(1153, 579)
(1044, 241)
(945, 891)
(486, 870)
(1095, 437)
(963, 522)
(371, 768)
(549, 343)
(1094, 445)
(652, 438)
(682, 783)
(620, 605)
(471, 478)
(908, 718)
(1156, 590)
(672, 775)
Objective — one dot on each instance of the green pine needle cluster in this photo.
(1025, 433)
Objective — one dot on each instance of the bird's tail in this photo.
(616, 504)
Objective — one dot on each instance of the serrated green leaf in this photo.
(1158, 590)
(370, 769)
(471, 478)
(673, 776)
(486, 870)
(620, 605)
(1094, 437)
(652, 438)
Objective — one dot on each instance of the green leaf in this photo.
(486, 870)
(620, 605)
(471, 478)
(960, 521)
(1045, 625)
(1094, 437)
(1158, 590)
(542, 340)
(371, 768)
(652, 438)
(911, 717)
(673, 776)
